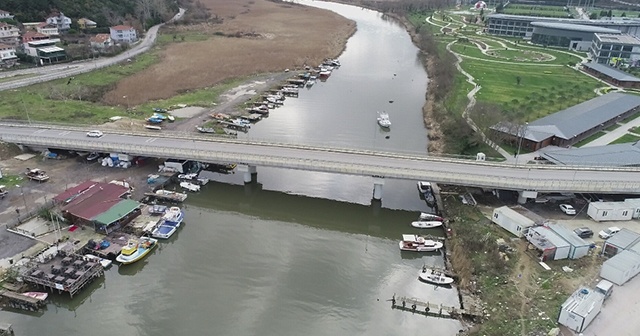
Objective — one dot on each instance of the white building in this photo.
(45, 51)
(123, 34)
(614, 48)
(634, 203)
(5, 15)
(47, 29)
(9, 34)
(578, 248)
(511, 220)
(580, 309)
(8, 56)
(550, 246)
(610, 211)
(621, 268)
(59, 20)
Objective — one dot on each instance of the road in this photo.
(47, 73)
(542, 178)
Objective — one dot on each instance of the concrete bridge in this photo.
(525, 178)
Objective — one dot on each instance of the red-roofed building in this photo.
(101, 41)
(33, 36)
(124, 34)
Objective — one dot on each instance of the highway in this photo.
(542, 178)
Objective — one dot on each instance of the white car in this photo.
(95, 134)
(608, 233)
(567, 209)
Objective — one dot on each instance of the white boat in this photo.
(190, 186)
(434, 277)
(426, 224)
(173, 216)
(154, 128)
(424, 216)
(415, 243)
(383, 120)
(157, 209)
(311, 82)
(104, 262)
(36, 295)
(191, 176)
(136, 249)
(424, 187)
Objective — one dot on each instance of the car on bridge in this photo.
(95, 134)
(567, 209)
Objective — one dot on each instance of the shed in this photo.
(621, 268)
(511, 220)
(580, 309)
(578, 248)
(551, 246)
(634, 203)
(609, 211)
(621, 241)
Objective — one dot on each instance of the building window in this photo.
(616, 47)
(624, 213)
(605, 213)
(495, 215)
(606, 47)
(627, 48)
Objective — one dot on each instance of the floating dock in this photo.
(416, 306)
(64, 272)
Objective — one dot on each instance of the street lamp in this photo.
(522, 132)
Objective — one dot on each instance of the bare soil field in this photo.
(271, 37)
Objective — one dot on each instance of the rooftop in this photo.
(95, 200)
(42, 42)
(117, 211)
(575, 27)
(623, 261)
(100, 38)
(612, 72)
(627, 154)
(568, 235)
(121, 27)
(72, 192)
(581, 302)
(624, 239)
(613, 22)
(618, 38)
(547, 239)
(50, 49)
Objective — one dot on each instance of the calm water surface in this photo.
(298, 252)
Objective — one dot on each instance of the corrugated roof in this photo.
(581, 302)
(568, 235)
(550, 236)
(74, 191)
(623, 261)
(624, 239)
(612, 72)
(609, 205)
(579, 118)
(618, 38)
(520, 218)
(117, 211)
(575, 27)
(620, 155)
(95, 200)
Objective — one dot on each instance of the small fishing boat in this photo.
(383, 120)
(424, 216)
(136, 249)
(426, 224)
(173, 216)
(171, 118)
(170, 195)
(190, 186)
(434, 277)
(36, 295)
(104, 262)
(415, 243)
(311, 82)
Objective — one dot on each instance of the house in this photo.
(621, 268)
(101, 41)
(611, 75)
(621, 241)
(580, 309)
(45, 51)
(610, 211)
(59, 20)
(5, 15)
(122, 33)
(8, 56)
(578, 248)
(47, 29)
(84, 23)
(512, 220)
(615, 49)
(550, 246)
(9, 34)
(34, 36)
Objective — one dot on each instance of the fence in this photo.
(22, 217)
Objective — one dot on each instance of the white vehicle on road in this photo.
(95, 134)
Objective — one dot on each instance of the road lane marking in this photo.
(65, 132)
(151, 139)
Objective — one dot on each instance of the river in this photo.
(297, 252)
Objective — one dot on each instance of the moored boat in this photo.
(383, 120)
(424, 187)
(136, 249)
(415, 243)
(426, 224)
(36, 295)
(190, 186)
(424, 216)
(171, 195)
(434, 277)
(173, 216)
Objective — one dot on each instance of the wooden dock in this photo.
(416, 306)
(19, 301)
(64, 272)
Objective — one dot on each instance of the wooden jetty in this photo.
(416, 306)
(19, 301)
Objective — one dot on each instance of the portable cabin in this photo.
(578, 248)
(610, 211)
(621, 268)
(634, 203)
(580, 309)
(511, 220)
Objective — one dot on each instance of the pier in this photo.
(416, 306)
(116, 241)
(19, 301)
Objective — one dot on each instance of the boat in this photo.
(430, 199)
(311, 82)
(157, 209)
(173, 216)
(191, 176)
(170, 223)
(383, 120)
(415, 243)
(426, 224)
(190, 186)
(36, 295)
(434, 277)
(37, 175)
(171, 118)
(205, 129)
(154, 128)
(424, 187)
(424, 216)
(104, 262)
(136, 249)
(170, 195)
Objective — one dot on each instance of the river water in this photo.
(297, 252)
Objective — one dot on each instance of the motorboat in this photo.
(164, 231)
(157, 209)
(415, 243)
(104, 262)
(136, 249)
(424, 187)
(434, 277)
(205, 129)
(383, 120)
(153, 128)
(169, 224)
(173, 216)
(36, 295)
(311, 82)
(171, 195)
(426, 224)
(190, 186)
(191, 176)
(424, 216)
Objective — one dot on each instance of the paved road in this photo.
(47, 73)
(543, 178)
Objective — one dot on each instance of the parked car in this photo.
(94, 134)
(608, 233)
(567, 209)
(93, 156)
(584, 232)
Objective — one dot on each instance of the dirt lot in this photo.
(272, 37)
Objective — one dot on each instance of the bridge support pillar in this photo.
(22, 147)
(524, 195)
(250, 173)
(378, 182)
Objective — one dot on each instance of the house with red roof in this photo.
(123, 34)
(101, 41)
(101, 205)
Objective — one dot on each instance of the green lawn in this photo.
(635, 130)
(11, 181)
(612, 127)
(535, 10)
(625, 139)
(589, 139)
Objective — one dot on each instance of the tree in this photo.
(593, 16)
(623, 14)
(610, 14)
(518, 80)
(499, 7)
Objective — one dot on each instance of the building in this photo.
(615, 49)
(580, 309)
(122, 33)
(45, 51)
(622, 155)
(5, 15)
(634, 203)
(567, 35)
(578, 248)
(621, 241)
(611, 75)
(47, 29)
(58, 19)
(621, 268)
(512, 220)
(33, 36)
(8, 56)
(550, 246)
(566, 127)
(101, 41)
(610, 211)
(9, 34)
(84, 23)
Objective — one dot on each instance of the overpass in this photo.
(527, 179)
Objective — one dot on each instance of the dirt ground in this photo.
(273, 37)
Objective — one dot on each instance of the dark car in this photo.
(584, 232)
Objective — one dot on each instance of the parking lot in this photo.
(619, 314)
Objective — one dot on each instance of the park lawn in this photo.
(635, 130)
(469, 49)
(185, 36)
(625, 139)
(523, 55)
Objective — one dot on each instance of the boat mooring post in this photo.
(378, 182)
